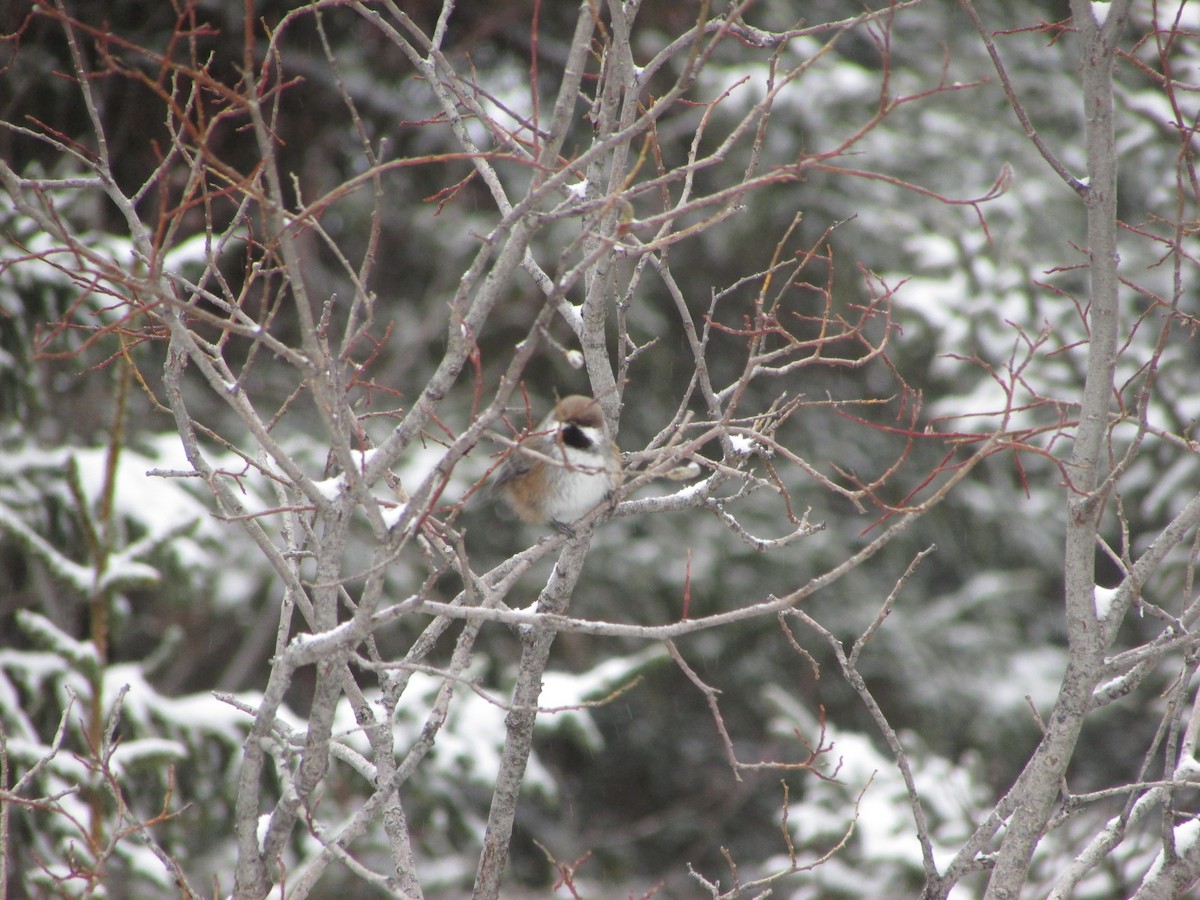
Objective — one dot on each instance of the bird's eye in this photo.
(573, 436)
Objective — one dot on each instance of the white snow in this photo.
(563, 690)
(300, 641)
(1187, 833)
(1188, 769)
(686, 493)
(573, 314)
(392, 513)
(153, 752)
(82, 654)
(741, 444)
(264, 822)
(331, 488)
(1104, 599)
(81, 578)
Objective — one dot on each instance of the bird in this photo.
(567, 466)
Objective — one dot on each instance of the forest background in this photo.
(892, 309)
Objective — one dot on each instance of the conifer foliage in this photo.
(892, 312)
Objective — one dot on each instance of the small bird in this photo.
(574, 465)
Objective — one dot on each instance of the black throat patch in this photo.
(573, 436)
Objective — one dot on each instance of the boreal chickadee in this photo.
(574, 465)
